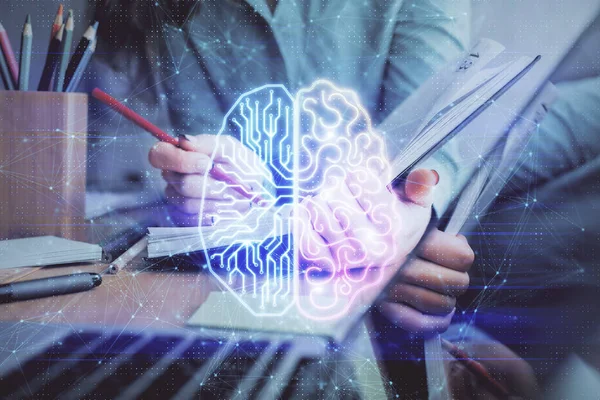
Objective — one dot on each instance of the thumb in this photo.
(419, 186)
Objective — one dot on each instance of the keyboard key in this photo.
(268, 374)
(222, 382)
(322, 379)
(136, 366)
(306, 381)
(38, 367)
(181, 370)
(86, 364)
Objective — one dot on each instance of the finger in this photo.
(191, 205)
(419, 186)
(209, 144)
(165, 156)
(414, 321)
(447, 250)
(184, 204)
(183, 219)
(353, 221)
(225, 149)
(199, 186)
(324, 222)
(428, 275)
(372, 196)
(424, 300)
(312, 247)
(234, 163)
(370, 238)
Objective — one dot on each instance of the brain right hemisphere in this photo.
(342, 162)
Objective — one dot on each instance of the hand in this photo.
(424, 299)
(360, 223)
(507, 368)
(185, 169)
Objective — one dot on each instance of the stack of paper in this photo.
(170, 241)
(46, 250)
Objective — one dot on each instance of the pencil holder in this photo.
(43, 158)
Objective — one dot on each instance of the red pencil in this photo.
(476, 369)
(165, 137)
(9, 55)
(58, 21)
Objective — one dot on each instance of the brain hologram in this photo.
(298, 152)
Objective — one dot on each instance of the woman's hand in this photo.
(360, 223)
(424, 299)
(507, 368)
(185, 169)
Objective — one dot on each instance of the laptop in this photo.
(223, 352)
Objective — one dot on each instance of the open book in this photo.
(440, 109)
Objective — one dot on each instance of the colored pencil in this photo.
(165, 137)
(9, 56)
(477, 369)
(81, 67)
(5, 76)
(86, 41)
(25, 64)
(59, 81)
(51, 61)
(58, 21)
(133, 117)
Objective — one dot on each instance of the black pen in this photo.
(46, 287)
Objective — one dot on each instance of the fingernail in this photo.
(437, 176)
(182, 136)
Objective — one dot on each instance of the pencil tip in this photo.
(60, 33)
(70, 23)
(60, 9)
(95, 25)
(28, 19)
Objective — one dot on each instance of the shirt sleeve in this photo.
(427, 35)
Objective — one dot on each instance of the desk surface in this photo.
(135, 296)
(139, 297)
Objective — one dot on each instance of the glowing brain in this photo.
(312, 145)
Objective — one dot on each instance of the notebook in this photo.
(438, 110)
(46, 250)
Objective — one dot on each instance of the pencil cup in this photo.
(43, 156)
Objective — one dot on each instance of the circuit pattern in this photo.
(262, 119)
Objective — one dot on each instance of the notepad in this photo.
(46, 250)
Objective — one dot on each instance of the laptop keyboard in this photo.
(85, 363)
(94, 366)
(182, 369)
(221, 383)
(135, 366)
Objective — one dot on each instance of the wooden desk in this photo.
(158, 298)
(138, 297)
